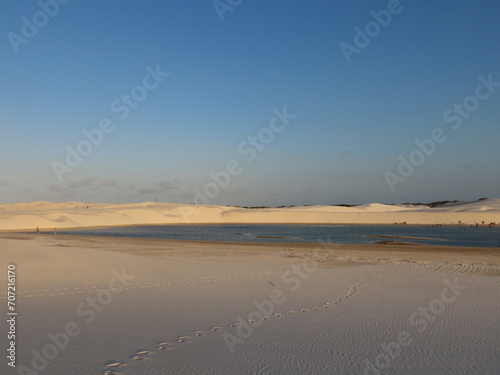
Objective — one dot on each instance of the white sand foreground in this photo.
(94, 305)
(76, 214)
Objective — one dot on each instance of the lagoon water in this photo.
(346, 234)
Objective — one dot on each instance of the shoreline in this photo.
(374, 239)
(324, 253)
(50, 229)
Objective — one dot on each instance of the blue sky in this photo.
(352, 120)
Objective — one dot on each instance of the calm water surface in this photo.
(347, 234)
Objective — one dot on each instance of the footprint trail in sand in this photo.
(114, 368)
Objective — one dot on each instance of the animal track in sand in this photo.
(115, 364)
(163, 345)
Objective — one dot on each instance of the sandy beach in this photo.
(96, 305)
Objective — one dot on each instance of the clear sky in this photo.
(358, 81)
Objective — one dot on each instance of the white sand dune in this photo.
(76, 214)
